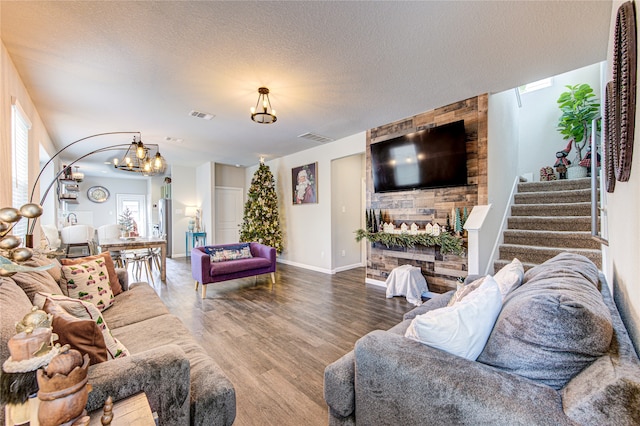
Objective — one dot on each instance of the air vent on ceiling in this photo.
(170, 139)
(316, 137)
(203, 115)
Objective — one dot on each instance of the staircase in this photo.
(548, 218)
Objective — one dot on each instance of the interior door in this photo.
(229, 214)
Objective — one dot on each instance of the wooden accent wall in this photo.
(431, 205)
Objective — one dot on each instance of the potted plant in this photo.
(579, 107)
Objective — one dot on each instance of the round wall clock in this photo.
(98, 194)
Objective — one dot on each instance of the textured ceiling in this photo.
(333, 68)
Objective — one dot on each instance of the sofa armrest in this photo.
(200, 265)
(266, 252)
(123, 277)
(339, 391)
(400, 378)
(162, 373)
(436, 302)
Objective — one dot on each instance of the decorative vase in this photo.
(64, 389)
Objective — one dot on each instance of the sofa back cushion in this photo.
(14, 305)
(554, 325)
(35, 281)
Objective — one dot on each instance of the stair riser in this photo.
(499, 264)
(583, 196)
(549, 224)
(552, 241)
(582, 209)
(558, 185)
(525, 254)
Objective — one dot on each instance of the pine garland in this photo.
(448, 243)
(260, 223)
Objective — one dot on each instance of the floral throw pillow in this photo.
(233, 252)
(88, 281)
(85, 310)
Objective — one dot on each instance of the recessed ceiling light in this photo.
(203, 115)
(176, 140)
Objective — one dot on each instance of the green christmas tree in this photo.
(457, 227)
(260, 223)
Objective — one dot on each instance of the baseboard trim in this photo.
(348, 267)
(305, 266)
(375, 282)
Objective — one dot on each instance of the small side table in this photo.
(194, 239)
(130, 411)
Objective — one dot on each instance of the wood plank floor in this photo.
(274, 342)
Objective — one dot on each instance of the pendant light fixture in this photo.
(262, 113)
(140, 159)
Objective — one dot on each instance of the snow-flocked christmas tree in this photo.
(260, 223)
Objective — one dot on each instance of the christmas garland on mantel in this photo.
(449, 244)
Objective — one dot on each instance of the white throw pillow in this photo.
(510, 276)
(461, 329)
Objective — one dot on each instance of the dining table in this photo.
(137, 243)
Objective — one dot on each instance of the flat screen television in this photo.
(430, 158)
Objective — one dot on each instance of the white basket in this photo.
(576, 172)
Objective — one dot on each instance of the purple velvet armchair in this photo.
(263, 261)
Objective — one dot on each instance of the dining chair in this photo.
(111, 232)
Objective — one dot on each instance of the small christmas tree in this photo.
(457, 226)
(126, 221)
(260, 223)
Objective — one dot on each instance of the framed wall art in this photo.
(304, 182)
(624, 86)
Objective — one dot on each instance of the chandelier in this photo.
(262, 113)
(141, 158)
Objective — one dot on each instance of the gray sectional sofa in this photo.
(558, 354)
(183, 384)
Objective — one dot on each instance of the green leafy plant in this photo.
(579, 107)
(449, 244)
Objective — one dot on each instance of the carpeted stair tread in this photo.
(550, 223)
(558, 209)
(538, 255)
(555, 185)
(573, 196)
(539, 238)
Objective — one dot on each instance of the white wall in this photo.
(12, 87)
(307, 227)
(623, 267)
(347, 211)
(539, 117)
(230, 176)
(104, 213)
(183, 194)
(205, 197)
(503, 147)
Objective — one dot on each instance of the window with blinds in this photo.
(20, 126)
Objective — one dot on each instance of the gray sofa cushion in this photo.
(212, 394)
(554, 325)
(137, 304)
